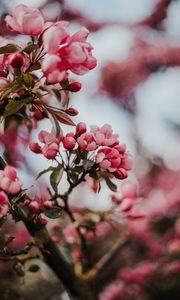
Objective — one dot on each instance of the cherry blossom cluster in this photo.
(9, 184)
(62, 52)
(108, 154)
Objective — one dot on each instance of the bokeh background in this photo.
(135, 88)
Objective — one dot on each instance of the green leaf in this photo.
(9, 48)
(73, 176)
(28, 80)
(88, 164)
(35, 66)
(53, 213)
(13, 107)
(55, 178)
(109, 183)
(63, 118)
(57, 94)
(30, 48)
(9, 88)
(54, 122)
(45, 171)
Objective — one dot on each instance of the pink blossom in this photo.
(108, 159)
(52, 69)
(54, 35)
(50, 150)
(76, 54)
(3, 204)
(9, 182)
(104, 136)
(86, 142)
(25, 20)
(66, 52)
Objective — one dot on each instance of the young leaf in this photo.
(9, 48)
(30, 48)
(53, 213)
(57, 94)
(109, 183)
(45, 171)
(63, 118)
(54, 122)
(55, 178)
(13, 107)
(28, 80)
(35, 66)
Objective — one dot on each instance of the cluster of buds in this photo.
(99, 145)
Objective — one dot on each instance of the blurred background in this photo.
(135, 88)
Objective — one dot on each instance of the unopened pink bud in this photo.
(34, 206)
(80, 128)
(34, 147)
(121, 174)
(69, 142)
(74, 87)
(72, 111)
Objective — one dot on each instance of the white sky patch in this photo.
(158, 101)
(113, 10)
(173, 20)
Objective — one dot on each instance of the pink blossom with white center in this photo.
(54, 35)
(108, 159)
(9, 182)
(76, 54)
(104, 136)
(25, 20)
(52, 69)
(3, 204)
(50, 150)
(86, 142)
(65, 52)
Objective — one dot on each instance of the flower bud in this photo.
(16, 60)
(69, 142)
(80, 128)
(34, 206)
(34, 147)
(74, 87)
(72, 111)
